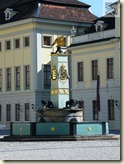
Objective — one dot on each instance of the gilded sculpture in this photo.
(60, 41)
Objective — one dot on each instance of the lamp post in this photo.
(73, 31)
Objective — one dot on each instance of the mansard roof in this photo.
(9, 3)
(64, 10)
(108, 20)
(68, 2)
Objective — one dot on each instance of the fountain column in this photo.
(59, 80)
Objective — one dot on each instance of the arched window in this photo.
(99, 26)
(7, 16)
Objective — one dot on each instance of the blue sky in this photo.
(97, 6)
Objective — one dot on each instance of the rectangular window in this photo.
(17, 43)
(111, 113)
(0, 112)
(94, 69)
(8, 112)
(0, 46)
(80, 71)
(27, 77)
(26, 41)
(17, 78)
(0, 80)
(8, 79)
(17, 112)
(47, 40)
(47, 80)
(27, 112)
(95, 111)
(8, 45)
(110, 68)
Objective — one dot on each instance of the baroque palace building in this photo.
(97, 52)
(27, 30)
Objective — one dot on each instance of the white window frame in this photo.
(15, 43)
(6, 45)
(16, 89)
(27, 36)
(51, 39)
(9, 89)
(26, 88)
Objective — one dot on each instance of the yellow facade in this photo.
(100, 46)
(14, 57)
(36, 55)
(88, 53)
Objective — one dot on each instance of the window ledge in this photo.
(46, 46)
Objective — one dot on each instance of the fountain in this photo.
(60, 111)
(60, 116)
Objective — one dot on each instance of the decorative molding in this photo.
(54, 73)
(62, 91)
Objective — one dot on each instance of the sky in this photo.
(97, 6)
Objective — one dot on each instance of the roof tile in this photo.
(66, 13)
(49, 11)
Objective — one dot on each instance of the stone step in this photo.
(59, 138)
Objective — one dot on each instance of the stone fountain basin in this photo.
(60, 115)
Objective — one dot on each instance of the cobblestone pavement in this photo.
(79, 150)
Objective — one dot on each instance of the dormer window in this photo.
(9, 13)
(99, 26)
(7, 16)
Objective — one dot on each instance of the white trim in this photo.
(61, 22)
(38, 20)
(42, 41)
(93, 36)
(16, 23)
(90, 45)
(33, 44)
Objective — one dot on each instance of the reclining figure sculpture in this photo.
(72, 103)
(47, 104)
